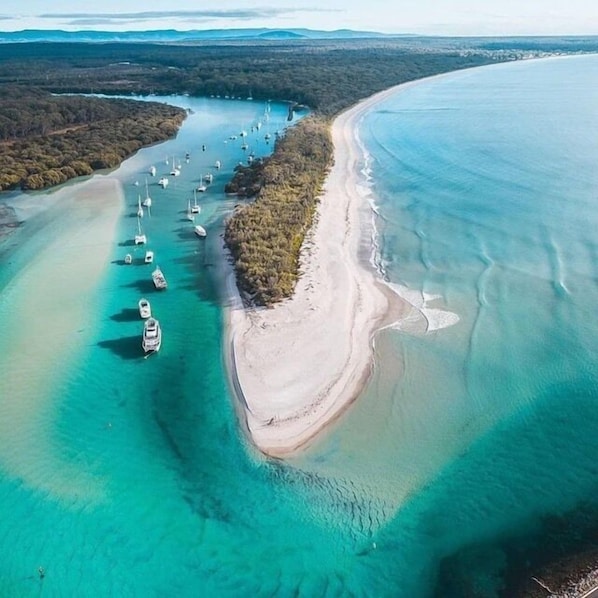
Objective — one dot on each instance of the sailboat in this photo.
(217, 164)
(152, 170)
(190, 215)
(208, 178)
(202, 186)
(195, 209)
(147, 202)
(139, 208)
(176, 170)
(163, 182)
(140, 238)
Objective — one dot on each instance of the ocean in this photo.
(469, 454)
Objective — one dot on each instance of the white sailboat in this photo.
(147, 202)
(140, 238)
(149, 257)
(202, 186)
(176, 170)
(195, 209)
(190, 215)
(152, 170)
(208, 178)
(163, 182)
(139, 208)
(128, 259)
(217, 165)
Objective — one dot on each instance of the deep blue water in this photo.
(125, 476)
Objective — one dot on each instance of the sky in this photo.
(429, 17)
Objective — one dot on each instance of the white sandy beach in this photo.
(298, 365)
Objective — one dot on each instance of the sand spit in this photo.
(297, 366)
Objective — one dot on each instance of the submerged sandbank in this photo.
(48, 312)
(297, 366)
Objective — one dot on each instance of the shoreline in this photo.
(296, 367)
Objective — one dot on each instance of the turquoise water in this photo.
(127, 476)
(486, 184)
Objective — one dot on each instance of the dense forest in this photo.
(48, 139)
(327, 76)
(265, 237)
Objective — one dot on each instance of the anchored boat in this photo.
(152, 336)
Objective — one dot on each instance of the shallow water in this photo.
(486, 186)
(129, 476)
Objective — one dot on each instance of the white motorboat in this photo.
(152, 336)
(159, 279)
(145, 310)
(128, 259)
(200, 231)
(140, 238)
(195, 209)
(149, 257)
(163, 182)
(152, 170)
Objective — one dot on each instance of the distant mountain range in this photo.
(172, 35)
